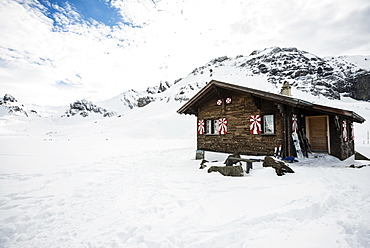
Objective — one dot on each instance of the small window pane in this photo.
(268, 124)
(215, 126)
(208, 126)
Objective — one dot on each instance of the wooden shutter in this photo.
(255, 124)
(201, 127)
(222, 126)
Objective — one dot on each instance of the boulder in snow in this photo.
(280, 167)
(232, 171)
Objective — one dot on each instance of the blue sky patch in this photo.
(98, 10)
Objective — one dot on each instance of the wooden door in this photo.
(317, 132)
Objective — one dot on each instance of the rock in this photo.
(164, 86)
(280, 167)
(152, 90)
(84, 114)
(85, 107)
(233, 171)
(9, 98)
(219, 60)
(230, 162)
(12, 105)
(143, 101)
(202, 164)
(356, 166)
(359, 87)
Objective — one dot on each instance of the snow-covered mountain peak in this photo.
(267, 69)
(85, 107)
(305, 71)
(10, 105)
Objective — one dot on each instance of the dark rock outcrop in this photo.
(280, 167)
(330, 76)
(85, 107)
(12, 105)
(143, 101)
(232, 171)
(359, 86)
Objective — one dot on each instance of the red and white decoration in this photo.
(222, 126)
(344, 129)
(201, 127)
(219, 102)
(352, 131)
(228, 100)
(255, 124)
(294, 124)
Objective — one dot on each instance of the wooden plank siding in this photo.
(238, 137)
(338, 147)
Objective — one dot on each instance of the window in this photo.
(268, 124)
(211, 126)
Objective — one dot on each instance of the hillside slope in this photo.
(331, 77)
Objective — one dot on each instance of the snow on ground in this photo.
(150, 193)
(133, 182)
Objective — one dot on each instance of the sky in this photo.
(54, 52)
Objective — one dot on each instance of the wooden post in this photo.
(288, 122)
(286, 135)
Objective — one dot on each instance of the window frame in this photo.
(272, 124)
(211, 127)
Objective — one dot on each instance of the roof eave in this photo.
(192, 105)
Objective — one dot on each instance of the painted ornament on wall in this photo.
(344, 129)
(219, 102)
(222, 126)
(228, 100)
(255, 124)
(294, 124)
(201, 127)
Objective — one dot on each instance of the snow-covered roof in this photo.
(192, 105)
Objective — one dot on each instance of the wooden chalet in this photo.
(233, 118)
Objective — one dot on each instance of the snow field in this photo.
(133, 182)
(94, 192)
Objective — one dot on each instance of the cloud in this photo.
(330, 27)
(135, 13)
(56, 52)
(38, 54)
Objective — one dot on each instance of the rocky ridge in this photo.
(11, 106)
(182, 92)
(331, 77)
(85, 107)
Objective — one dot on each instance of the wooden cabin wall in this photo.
(338, 147)
(238, 137)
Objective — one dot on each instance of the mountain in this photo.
(331, 77)
(305, 71)
(267, 69)
(10, 105)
